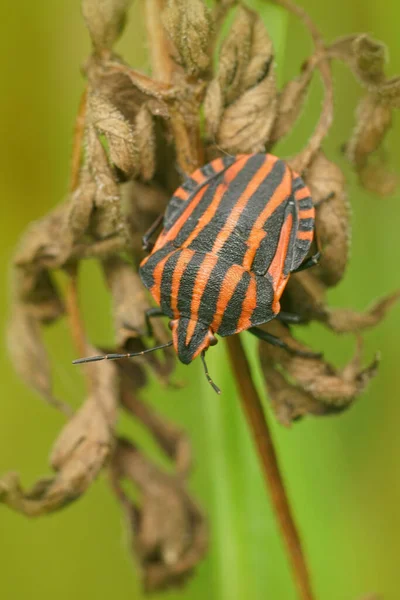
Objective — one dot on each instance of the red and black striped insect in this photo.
(232, 235)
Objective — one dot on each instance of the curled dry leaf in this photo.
(365, 56)
(145, 139)
(348, 321)
(328, 190)
(189, 26)
(47, 242)
(107, 219)
(303, 385)
(130, 303)
(373, 121)
(240, 104)
(78, 455)
(290, 103)
(105, 20)
(169, 533)
(37, 292)
(109, 121)
(28, 354)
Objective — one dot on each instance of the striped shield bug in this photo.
(232, 234)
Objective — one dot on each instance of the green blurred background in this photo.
(343, 473)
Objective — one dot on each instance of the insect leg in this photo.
(150, 314)
(289, 318)
(275, 341)
(147, 245)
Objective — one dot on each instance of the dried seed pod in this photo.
(315, 381)
(326, 179)
(366, 57)
(240, 103)
(79, 453)
(105, 20)
(169, 533)
(109, 121)
(189, 27)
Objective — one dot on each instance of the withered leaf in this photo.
(328, 187)
(364, 55)
(290, 103)
(240, 103)
(47, 242)
(245, 125)
(107, 219)
(105, 20)
(108, 120)
(130, 303)
(28, 354)
(189, 26)
(169, 533)
(347, 321)
(37, 292)
(146, 143)
(78, 455)
(314, 379)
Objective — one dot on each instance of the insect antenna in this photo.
(210, 381)
(78, 361)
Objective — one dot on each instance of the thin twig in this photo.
(303, 159)
(162, 63)
(252, 407)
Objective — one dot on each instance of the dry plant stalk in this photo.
(135, 137)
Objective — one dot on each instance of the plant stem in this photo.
(252, 407)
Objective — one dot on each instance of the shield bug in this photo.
(232, 234)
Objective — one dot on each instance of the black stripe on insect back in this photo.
(208, 304)
(305, 203)
(187, 282)
(233, 310)
(146, 271)
(207, 236)
(306, 224)
(205, 202)
(166, 283)
(235, 246)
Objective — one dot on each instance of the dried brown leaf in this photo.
(146, 143)
(169, 531)
(47, 242)
(290, 104)
(107, 219)
(105, 20)
(28, 354)
(79, 453)
(245, 125)
(373, 121)
(324, 179)
(37, 292)
(314, 379)
(348, 321)
(240, 103)
(364, 55)
(110, 122)
(189, 27)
